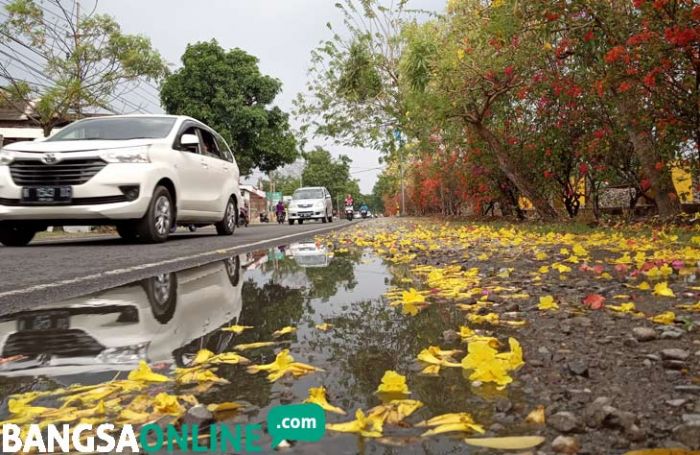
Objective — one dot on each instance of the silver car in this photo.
(311, 203)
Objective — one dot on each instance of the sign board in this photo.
(274, 197)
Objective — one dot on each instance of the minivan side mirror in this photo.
(189, 139)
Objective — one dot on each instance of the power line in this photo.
(368, 170)
(125, 102)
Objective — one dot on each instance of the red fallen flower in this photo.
(583, 168)
(659, 166)
(594, 301)
(677, 264)
(621, 268)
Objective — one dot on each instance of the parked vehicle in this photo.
(350, 212)
(243, 219)
(311, 203)
(264, 218)
(142, 173)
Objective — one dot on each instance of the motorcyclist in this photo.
(279, 209)
(349, 202)
(364, 209)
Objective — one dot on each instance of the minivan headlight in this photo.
(126, 155)
(318, 204)
(5, 157)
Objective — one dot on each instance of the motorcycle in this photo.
(264, 218)
(243, 218)
(364, 213)
(280, 217)
(349, 212)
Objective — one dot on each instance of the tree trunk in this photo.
(665, 196)
(544, 209)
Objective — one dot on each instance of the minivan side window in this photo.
(208, 145)
(224, 148)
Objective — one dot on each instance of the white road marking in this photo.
(117, 272)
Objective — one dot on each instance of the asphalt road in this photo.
(51, 270)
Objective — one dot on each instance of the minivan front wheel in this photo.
(154, 227)
(16, 234)
(227, 225)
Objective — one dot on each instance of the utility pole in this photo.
(400, 140)
(78, 57)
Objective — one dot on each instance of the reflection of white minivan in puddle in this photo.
(114, 329)
(309, 254)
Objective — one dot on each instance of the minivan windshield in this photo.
(308, 193)
(116, 129)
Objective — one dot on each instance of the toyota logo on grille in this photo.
(49, 158)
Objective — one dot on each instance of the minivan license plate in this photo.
(47, 194)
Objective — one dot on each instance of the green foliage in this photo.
(359, 79)
(353, 94)
(226, 90)
(322, 169)
(88, 69)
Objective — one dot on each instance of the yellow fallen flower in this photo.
(412, 297)
(694, 307)
(317, 395)
(283, 331)
(237, 329)
(395, 411)
(433, 355)
(490, 318)
(665, 318)
(536, 416)
(249, 346)
(628, 307)
(452, 422)
(228, 406)
(283, 364)
(324, 327)
(230, 358)
(663, 290)
(365, 426)
(166, 404)
(393, 383)
(144, 374)
(547, 303)
(489, 365)
(197, 375)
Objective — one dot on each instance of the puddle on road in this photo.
(168, 318)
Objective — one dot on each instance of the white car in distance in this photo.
(141, 173)
(311, 203)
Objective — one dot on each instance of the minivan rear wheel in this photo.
(154, 227)
(16, 234)
(227, 225)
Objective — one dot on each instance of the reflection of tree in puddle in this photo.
(320, 281)
(324, 282)
(370, 337)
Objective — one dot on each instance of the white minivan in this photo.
(311, 203)
(142, 173)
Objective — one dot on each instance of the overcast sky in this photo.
(281, 33)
